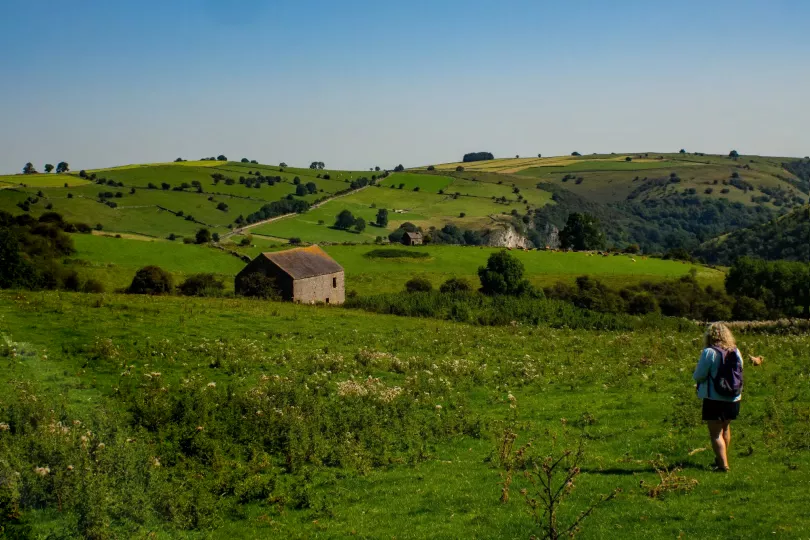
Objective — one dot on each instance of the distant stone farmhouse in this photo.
(306, 275)
(412, 239)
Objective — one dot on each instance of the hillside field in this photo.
(421, 461)
(115, 260)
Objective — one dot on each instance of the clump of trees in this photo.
(771, 288)
(477, 156)
(32, 253)
(317, 165)
(345, 220)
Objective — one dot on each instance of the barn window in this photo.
(334, 283)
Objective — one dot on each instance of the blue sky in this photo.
(362, 83)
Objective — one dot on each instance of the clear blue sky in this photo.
(361, 83)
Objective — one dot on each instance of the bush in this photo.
(418, 284)
(246, 240)
(295, 241)
(204, 284)
(93, 286)
(396, 254)
(151, 280)
(456, 285)
(257, 285)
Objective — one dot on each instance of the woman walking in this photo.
(719, 384)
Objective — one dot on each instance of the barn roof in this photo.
(304, 262)
(414, 235)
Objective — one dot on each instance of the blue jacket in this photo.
(708, 365)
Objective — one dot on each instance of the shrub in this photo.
(246, 240)
(431, 168)
(456, 285)
(151, 280)
(93, 286)
(418, 284)
(257, 285)
(204, 284)
(397, 254)
(295, 241)
(459, 169)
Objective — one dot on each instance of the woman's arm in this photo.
(704, 366)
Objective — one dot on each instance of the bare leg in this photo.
(727, 436)
(718, 442)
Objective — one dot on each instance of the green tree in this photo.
(382, 217)
(62, 167)
(29, 168)
(48, 167)
(503, 274)
(203, 236)
(245, 160)
(282, 165)
(582, 232)
(344, 219)
(733, 154)
(221, 158)
(360, 224)
(301, 190)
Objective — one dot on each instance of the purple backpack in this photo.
(729, 379)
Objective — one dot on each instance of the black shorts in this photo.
(720, 410)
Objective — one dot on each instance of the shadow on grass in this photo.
(620, 471)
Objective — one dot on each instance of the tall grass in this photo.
(504, 310)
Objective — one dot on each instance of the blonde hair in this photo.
(718, 335)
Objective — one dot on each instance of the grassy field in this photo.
(418, 462)
(423, 208)
(114, 261)
(40, 180)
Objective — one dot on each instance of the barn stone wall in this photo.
(329, 289)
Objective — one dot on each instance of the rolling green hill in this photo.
(659, 201)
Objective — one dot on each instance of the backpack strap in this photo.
(710, 378)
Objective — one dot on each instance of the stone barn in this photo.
(412, 239)
(306, 275)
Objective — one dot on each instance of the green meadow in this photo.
(178, 417)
